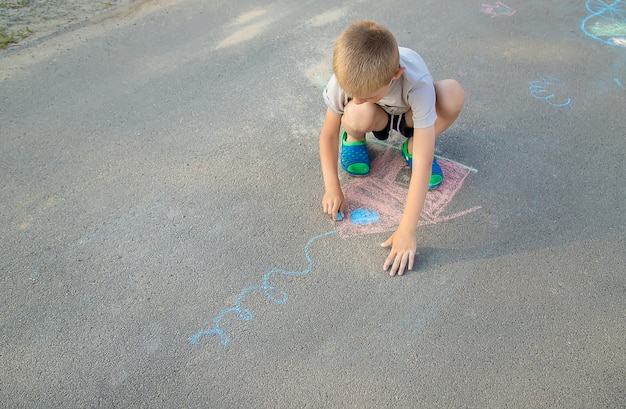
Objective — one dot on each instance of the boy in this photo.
(378, 86)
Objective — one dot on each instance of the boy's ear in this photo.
(398, 73)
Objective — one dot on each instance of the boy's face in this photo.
(376, 95)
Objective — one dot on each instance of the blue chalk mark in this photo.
(614, 13)
(339, 216)
(320, 81)
(540, 90)
(619, 83)
(363, 216)
(274, 294)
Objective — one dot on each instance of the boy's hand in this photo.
(402, 255)
(334, 202)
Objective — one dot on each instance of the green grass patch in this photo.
(10, 37)
(14, 4)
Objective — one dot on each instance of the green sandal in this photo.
(354, 157)
(436, 176)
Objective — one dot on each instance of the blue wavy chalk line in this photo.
(274, 294)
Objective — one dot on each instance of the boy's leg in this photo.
(358, 119)
(449, 103)
(450, 98)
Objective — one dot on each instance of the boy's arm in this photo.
(403, 241)
(333, 200)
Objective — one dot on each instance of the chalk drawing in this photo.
(498, 9)
(363, 216)
(320, 81)
(606, 23)
(608, 30)
(273, 294)
(615, 84)
(379, 199)
(543, 89)
(386, 195)
(374, 209)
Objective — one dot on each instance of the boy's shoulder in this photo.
(411, 57)
(407, 51)
(415, 67)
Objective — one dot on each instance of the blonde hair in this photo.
(365, 58)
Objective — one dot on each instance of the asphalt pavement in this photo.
(163, 242)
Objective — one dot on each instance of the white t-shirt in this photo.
(413, 90)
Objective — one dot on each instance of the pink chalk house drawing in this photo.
(374, 204)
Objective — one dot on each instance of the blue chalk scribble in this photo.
(542, 89)
(363, 216)
(274, 294)
(606, 23)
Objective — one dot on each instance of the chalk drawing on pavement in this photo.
(375, 209)
(615, 84)
(363, 216)
(375, 204)
(273, 294)
(549, 89)
(497, 9)
(606, 23)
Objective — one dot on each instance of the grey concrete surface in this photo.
(160, 177)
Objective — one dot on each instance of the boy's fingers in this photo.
(388, 262)
(395, 266)
(402, 265)
(337, 213)
(328, 209)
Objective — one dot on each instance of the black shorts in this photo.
(398, 124)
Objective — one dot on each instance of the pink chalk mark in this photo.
(381, 193)
(498, 9)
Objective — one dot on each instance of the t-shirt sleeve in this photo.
(422, 101)
(334, 97)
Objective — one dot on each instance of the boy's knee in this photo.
(459, 94)
(450, 96)
(360, 118)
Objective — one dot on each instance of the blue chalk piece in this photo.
(339, 216)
